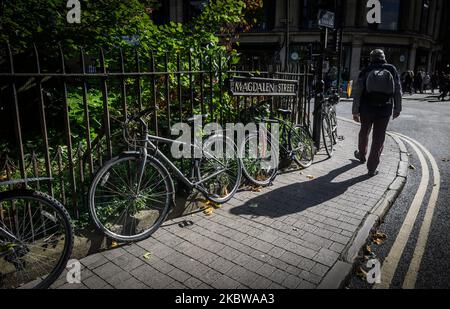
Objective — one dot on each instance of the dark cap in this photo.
(377, 55)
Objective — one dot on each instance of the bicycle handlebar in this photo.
(136, 117)
(140, 114)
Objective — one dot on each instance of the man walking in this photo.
(377, 96)
(444, 82)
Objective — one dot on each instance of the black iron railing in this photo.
(78, 132)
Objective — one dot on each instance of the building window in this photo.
(161, 15)
(266, 17)
(390, 16)
(425, 16)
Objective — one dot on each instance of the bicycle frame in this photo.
(149, 143)
(286, 143)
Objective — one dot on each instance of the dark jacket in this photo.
(362, 100)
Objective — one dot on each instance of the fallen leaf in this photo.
(256, 189)
(213, 205)
(208, 211)
(379, 238)
(114, 244)
(253, 205)
(3, 178)
(361, 273)
(310, 177)
(147, 255)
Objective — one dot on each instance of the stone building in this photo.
(412, 32)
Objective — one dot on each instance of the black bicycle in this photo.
(332, 101)
(291, 142)
(328, 128)
(132, 194)
(36, 238)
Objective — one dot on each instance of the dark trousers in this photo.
(378, 138)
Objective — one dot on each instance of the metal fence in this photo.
(61, 115)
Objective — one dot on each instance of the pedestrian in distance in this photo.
(377, 97)
(426, 82)
(409, 78)
(418, 82)
(434, 82)
(443, 86)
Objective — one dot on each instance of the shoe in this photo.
(359, 158)
(373, 173)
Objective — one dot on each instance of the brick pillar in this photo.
(356, 59)
(412, 57)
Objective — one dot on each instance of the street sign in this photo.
(326, 19)
(250, 86)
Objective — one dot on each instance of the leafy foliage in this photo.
(128, 25)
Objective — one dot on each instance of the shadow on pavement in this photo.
(300, 196)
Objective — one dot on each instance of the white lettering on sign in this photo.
(263, 87)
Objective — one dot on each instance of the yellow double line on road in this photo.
(392, 260)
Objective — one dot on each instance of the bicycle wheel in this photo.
(122, 208)
(327, 135)
(41, 242)
(302, 146)
(334, 125)
(259, 159)
(219, 169)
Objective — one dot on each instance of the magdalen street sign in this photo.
(249, 86)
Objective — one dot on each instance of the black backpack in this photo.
(379, 86)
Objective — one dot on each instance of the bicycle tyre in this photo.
(327, 135)
(249, 175)
(334, 125)
(202, 171)
(166, 180)
(305, 157)
(66, 224)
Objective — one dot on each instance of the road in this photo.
(416, 253)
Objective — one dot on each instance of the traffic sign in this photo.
(326, 19)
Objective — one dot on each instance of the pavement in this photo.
(301, 233)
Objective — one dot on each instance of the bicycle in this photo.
(333, 101)
(132, 194)
(327, 126)
(36, 237)
(294, 143)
